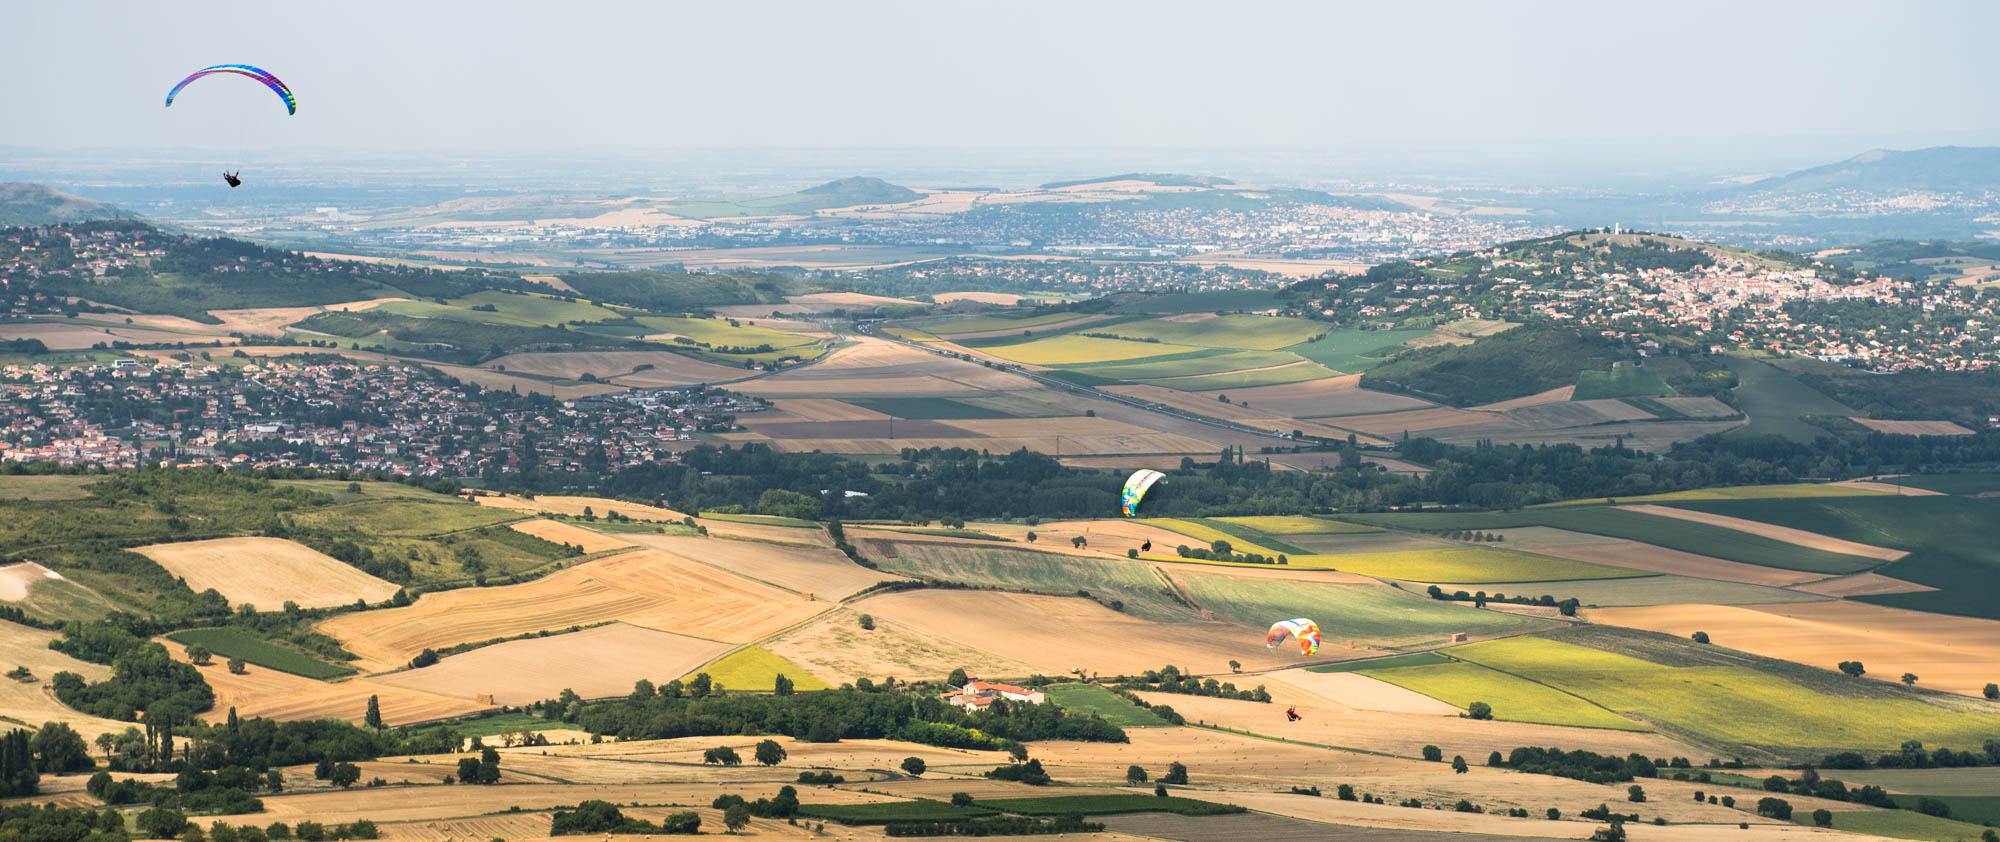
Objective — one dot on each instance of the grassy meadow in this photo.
(229, 642)
(1514, 699)
(1090, 698)
(756, 668)
(1369, 614)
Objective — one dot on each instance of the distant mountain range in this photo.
(1938, 169)
(22, 203)
(1162, 179)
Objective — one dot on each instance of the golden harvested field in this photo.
(597, 662)
(1774, 532)
(1316, 398)
(1415, 420)
(279, 695)
(59, 336)
(31, 703)
(1912, 428)
(1101, 537)
(565, 533)
(646, 588)
(1155, 443)
(828, 409)
(1559, 394)
(423, 804)
(878, 367)
(668, 368)
(767, 533)
(1326, 721)
(268, 572)
(1057, 634)
(574, 506)
(1004, 299)
(1861, 584)
(1954, 654)
(836, 648)
(822, 573)
(1639, 556)
(1360, 692)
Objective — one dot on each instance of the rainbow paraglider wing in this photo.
(1304, 630)
(257, 73)
(1136, 487)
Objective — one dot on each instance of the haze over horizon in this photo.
(1570, 85)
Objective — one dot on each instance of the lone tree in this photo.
(957, 678)
(344, 775)
(914, 766)
(1635, 793)
(1235, 666)
(1701, 637)
(1176, 774)
(238, 667)
(1458, 764)
(961, 799)
(736, 817)
(781, 686)
(1479, 710)
(1078, 542)
(868, 622)
(769, 753)
(1854, 669)
(1910, 678)
(199, 655)
(1992, 691)
(374, 715)
(1433, 754)
(1135, 774)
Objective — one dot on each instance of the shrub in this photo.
(1433, 753)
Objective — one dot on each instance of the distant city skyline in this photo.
(1470, 84)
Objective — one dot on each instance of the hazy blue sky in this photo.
(505, 75)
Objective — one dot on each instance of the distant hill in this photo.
(1163, 179)
(862, 190)
(842, 193)
(22, 203)
(1518, 363)
(1939, 168)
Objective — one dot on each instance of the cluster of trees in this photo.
(145, 678)
(1221, 550)
(1810, 783)
(1912, 755)
(1169, 679)
(1566, 606)
(595, 816)
(830, 715)
(784, 806)
(484, 769)
(1580, 765)
(49, 823)
(18, 775)
(169, 823)
(193, 790)
(1030, 773)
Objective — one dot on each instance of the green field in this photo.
(229, 642)
(1469, 565)
(1899, 824)
(1737, 492)
(1414, 659)
(721, 334)
(1235, 330)
(410, 517)
(1980, 809)
(488, 726)
(49, 487)
(892, 811)
(1068, 349)
(1297, 373)
(1954, 542)
(1022, 320)
(1133, 584)
(1514, 699)
(1090, 698)
(1296, 525)
(1356, 350)
(1247, 534)
(927, 408)
(1777, 402)
(1624, 380)
(1184, 365)
(1686, 536)
(1106, 805)
(1204, 535)
(1372, 615)
(1961, 484)
(1731, 704)
(519, 309)
(756, 668)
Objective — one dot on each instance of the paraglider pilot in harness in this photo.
(1292, 714)
(231, 177)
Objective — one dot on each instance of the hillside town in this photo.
(325, 412)
(1872, 322)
